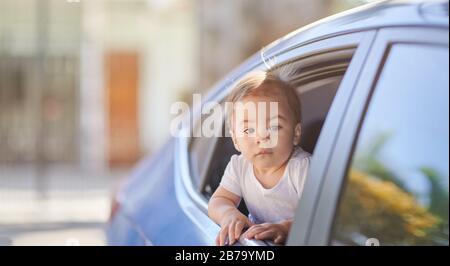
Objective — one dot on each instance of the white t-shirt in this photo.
(268, 205)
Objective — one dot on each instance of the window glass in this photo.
(396, 189)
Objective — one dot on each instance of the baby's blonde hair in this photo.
(252, 85)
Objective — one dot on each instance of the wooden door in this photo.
(122, 75)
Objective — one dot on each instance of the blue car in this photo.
(374, 89)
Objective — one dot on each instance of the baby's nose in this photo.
(266, 141)
(263, 134)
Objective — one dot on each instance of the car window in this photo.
(396, 186)
(200, 151)
(316, 79)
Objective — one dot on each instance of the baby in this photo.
(270, 171)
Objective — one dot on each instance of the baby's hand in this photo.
(277, 232)
(232, 224)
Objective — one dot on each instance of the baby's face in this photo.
(268, 137)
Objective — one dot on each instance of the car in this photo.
(374, 87)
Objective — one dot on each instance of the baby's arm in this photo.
(222, 209)
(276, 232)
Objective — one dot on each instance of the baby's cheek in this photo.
(286, 143)
(246, 148)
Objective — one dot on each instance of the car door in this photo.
(328, 69)
(386, 182)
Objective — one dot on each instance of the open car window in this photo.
(318, 72)
(316, 79)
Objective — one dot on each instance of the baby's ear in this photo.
(297, 134)
(236, 146)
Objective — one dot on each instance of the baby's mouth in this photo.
(264, 152)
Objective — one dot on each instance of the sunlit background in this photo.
(86, 88)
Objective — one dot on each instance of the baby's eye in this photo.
(274, 128)
(249, 131)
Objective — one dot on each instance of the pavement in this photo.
(62, 205)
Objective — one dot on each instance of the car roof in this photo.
(375, 15)
(379, 14)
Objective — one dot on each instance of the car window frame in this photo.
(306, 208)
(320, 228)
(358, 40)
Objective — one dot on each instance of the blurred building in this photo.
(231, 31)
(39, 81)
(90, 82)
